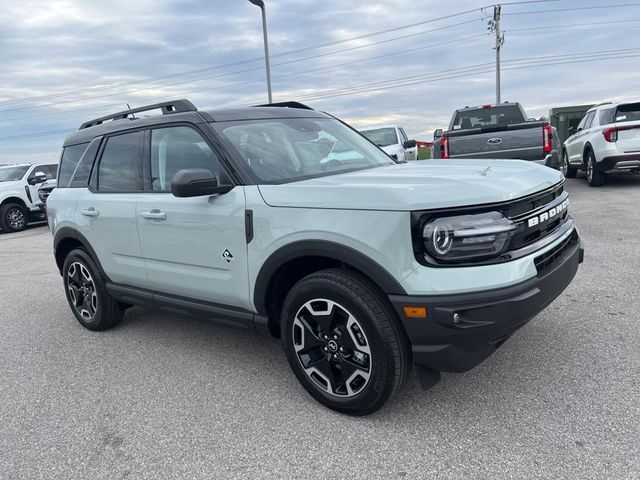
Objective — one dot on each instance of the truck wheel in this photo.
(595, 178)
(87, 294)
(567, 170)
(13, 217)
(343, 342)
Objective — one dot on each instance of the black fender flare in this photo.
(65, 233)
(321, 248)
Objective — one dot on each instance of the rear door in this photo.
(575, 144)
(193, 247)
(107, 209)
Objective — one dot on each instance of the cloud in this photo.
(71, 45)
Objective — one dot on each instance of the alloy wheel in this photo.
(82, 291)
(15, 218)
(565, 164)
(589, 168)
(332, 347)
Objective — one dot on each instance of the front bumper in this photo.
(461, 330)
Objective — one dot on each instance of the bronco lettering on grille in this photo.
(548, 215)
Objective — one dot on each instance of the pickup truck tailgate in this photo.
(521, 141)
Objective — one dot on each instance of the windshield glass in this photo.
(12, 174)
(487, 117)
(382, 137)
(287, 149)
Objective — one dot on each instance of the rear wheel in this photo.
(86, 293)
(567, 170)
(343, 343)
(13, 217)
(595, 178)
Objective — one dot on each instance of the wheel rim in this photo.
(332, 348)
(589, 168)
(565, 165)
(15, 218)
(82, 291)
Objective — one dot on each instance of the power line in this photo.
(596, 7)
(555, 27)
(367, 88)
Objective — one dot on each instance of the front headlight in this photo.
(467, 237)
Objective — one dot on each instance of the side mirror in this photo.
(196, 182)
(437, 133)
(579, 129)
(409, 144)
(37, 178)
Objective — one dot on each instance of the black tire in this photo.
(86, 293)
(13, 217)
(362, 321)
(567, 170)
(595, 177)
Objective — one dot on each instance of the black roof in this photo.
(183, 110)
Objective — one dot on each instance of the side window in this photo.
(70, 157)
(80, 176)
(120, 168)
(588, 120)
(403, 135)
(51, 171)
(606, 116)
(177, 148)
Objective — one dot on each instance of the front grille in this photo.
(545, 261)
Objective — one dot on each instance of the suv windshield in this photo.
(382, 137)
(488, 117)
(287, 149)
(12, 174)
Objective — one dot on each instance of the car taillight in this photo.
(444, 147)
(547, 138)
(610, 134)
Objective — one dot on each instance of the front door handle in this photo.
(154, 214)
(90, 212)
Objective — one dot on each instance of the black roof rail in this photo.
(286, 104)
(175, 106)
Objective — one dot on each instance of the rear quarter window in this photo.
(71, 155)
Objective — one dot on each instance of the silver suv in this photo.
(361, 265)
(607, 140)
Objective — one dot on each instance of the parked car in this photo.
(606, 141)
(498, 131)
(19, 201)
(361, 265)
(45, 190)
(393, 140)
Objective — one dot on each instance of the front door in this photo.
(193, 247)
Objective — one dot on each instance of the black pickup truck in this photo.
(498, 131)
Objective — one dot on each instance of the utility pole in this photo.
(494, 26)
(260, 3)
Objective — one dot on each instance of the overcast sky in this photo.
(211, 52)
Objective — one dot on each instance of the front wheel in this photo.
(567, 170)
(595, 178)
(13, 217)
(343, 342)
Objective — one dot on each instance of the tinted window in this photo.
(70, 158)
(589, 119)
(177, 148)
(120, 167)
(606, 115)
(488, 117)
(80, 176)
(50, 171)
(627, 113)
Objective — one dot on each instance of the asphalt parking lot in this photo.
(164, 396)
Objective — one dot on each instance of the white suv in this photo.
(607, 140)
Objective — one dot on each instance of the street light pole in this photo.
(260, 3)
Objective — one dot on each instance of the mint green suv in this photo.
(286, 220)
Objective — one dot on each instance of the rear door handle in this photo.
(154, 214)
(90, 212)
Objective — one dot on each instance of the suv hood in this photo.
(428, 184)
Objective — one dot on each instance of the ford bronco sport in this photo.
(362, 266)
